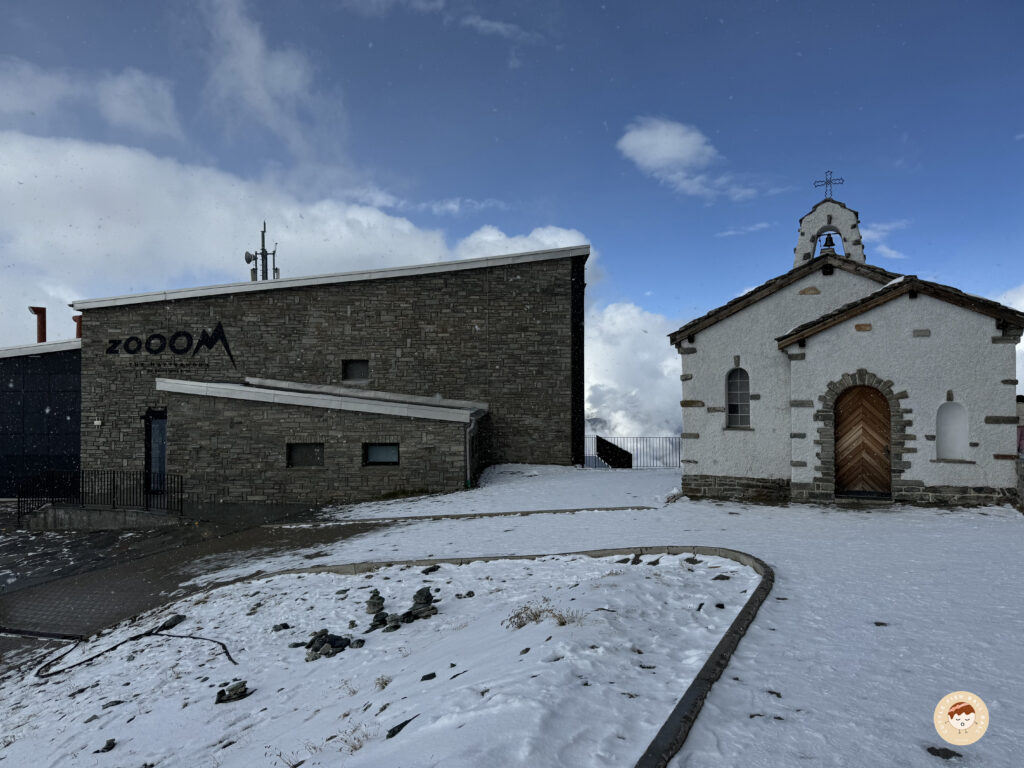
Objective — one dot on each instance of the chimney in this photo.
(40, 313)
(78, 326)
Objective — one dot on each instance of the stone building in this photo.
(341, 387)
(839, 378)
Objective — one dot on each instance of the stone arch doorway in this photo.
(863, 460)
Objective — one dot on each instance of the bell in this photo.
(828, 241)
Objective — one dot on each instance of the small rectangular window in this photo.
(380, 454)
(305, 454)
(355, 370)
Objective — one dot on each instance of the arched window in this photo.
(737, 398)
(951, 432)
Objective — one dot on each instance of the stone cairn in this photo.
(422, 607)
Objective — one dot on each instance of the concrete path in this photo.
(83, 603)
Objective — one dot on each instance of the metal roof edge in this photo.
(339, 277)
(41, 348)
(312, 400)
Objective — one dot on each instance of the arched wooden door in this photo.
(862, 443)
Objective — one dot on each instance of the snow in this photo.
(527, 488)
(874, 617)
(590, 682)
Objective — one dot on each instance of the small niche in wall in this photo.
(355, 371)
(305, 454)
(380, 454)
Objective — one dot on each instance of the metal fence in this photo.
(647, 452)
(102, 488)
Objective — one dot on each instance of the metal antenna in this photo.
(261, 257)
(827, 183)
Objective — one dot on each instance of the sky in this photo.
(143, 145)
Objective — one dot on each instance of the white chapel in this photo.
(840, 379)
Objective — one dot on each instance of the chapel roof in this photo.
(776, 284)
(904, 284)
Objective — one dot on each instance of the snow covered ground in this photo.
(598, 657)
(526, 488)
(875, 616)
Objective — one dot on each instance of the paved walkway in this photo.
(83, 603)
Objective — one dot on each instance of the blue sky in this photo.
(142, 145)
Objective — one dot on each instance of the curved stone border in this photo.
(673, 733)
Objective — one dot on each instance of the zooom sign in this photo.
(178, 343)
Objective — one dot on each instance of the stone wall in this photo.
(762, 490)
(498, 334)
(234, 451)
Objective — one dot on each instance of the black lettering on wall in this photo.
(208, 341)
(132, 345)
(113, 345)
(160, 342)
(179, 350)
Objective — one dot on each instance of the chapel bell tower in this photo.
(829, 217)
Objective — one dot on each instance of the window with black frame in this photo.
(737, 391)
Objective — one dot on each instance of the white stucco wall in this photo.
(763, 451)
(958, 355)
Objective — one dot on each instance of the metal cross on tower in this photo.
(827, 183)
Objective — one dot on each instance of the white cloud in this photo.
(632, 372)
(90, 220)
(26, 89)
(507, 30)
(679, 156)
(876, 236)
(139, 102)
(1015, 298)
(251, 84)
(1019, 136)
(744, 230)
(490, 241)
(129, 100)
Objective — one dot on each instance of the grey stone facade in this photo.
(249, 466)
(760, 490)
(507, 334)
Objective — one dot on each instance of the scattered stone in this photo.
(755, 714)
(782, 598)
(380, 619)
(428, 676)
(394, 622)
(92, 717)
(356, 642)
(457, 674)
(776, 717)
(471, 593)
(692, 560)
(392, 732)
(430, 569)
(524, 651)
(111, 743)
(721, 577)
(623, 560)
(655, 561)
(352, 624)
(375, 603)
(776, 694)
(112, 703)
(719, 605)
(282, 625)
(636, 559)
(700, 606)
(943, 752)
(298, 644)
(881, 624)
(172, 622)
(233, 692)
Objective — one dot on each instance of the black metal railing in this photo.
(646, 452)
(112, 489)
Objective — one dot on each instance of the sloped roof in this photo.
(894, 289)
(776, 284)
